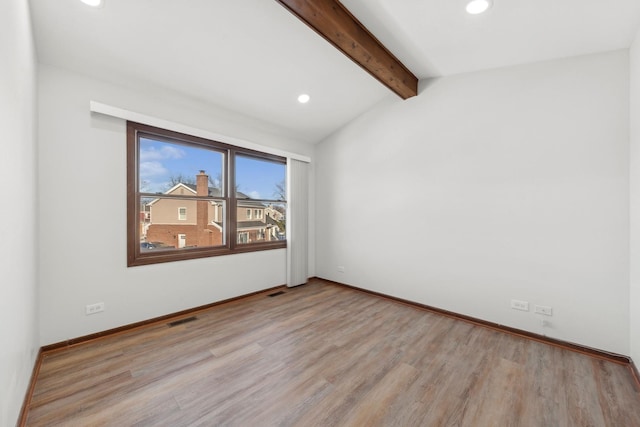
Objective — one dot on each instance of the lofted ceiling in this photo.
(254, 57)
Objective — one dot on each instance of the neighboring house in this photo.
(183, 223)
(275, 212)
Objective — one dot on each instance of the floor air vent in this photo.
(275, 294)
(181, 321)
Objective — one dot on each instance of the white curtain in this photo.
(297, 222)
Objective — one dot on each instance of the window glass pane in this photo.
(161, 228)
(260, 179)
(261, 222)
(275, 215)
(176, 169)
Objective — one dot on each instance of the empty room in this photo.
(320, 213)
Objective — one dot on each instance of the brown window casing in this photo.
(135, 256)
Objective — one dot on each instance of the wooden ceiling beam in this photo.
(338, 26)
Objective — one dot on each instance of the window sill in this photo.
(162, 256)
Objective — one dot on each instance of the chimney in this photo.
(202, 207)
(202, 184)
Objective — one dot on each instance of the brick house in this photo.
(183, 223)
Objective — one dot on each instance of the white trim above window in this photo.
(132, 116)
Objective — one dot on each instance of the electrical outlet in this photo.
(519, 305)
(341, 269)
(94, 308)
(543, 309)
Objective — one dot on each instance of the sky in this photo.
(159, 161)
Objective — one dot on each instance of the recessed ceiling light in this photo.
(475, 7)
(92, 3)
(304, 98)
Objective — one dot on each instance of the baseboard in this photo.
(146, 323)
(44, 350)
(600, 354)
(24, 411)
(635, 373)
(189, 312)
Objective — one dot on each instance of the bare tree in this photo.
(181, 179)
(280, 191)
(191, 180)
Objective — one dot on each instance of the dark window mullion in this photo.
(133, 226)
(233, 202)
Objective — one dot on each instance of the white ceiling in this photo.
(254, 57)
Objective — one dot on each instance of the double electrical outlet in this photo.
(524, 306)
(94, 308)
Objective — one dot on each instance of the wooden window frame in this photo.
(137, 257)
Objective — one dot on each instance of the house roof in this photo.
(248, 203)
(271, 221)
(243, 199)
(243, 225)
(213, 192)
(174, 188)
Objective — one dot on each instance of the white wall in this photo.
(83, 213)
(635, 200)
(18, 303)
(488, 186)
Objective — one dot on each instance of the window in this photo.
(260, 184)
(169, 172)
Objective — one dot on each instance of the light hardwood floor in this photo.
(326, 355)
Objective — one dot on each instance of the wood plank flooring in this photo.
(326, 355)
